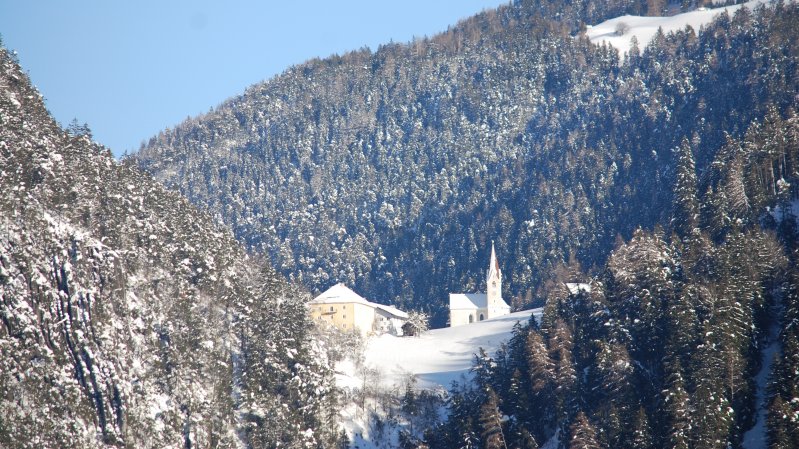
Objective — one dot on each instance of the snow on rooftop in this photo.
(645, 28)
(391, 310)
(458, 301)
(340, 293)
(337, 294)
(577, 287)
(440, 356)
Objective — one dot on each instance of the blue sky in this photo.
(132, 68)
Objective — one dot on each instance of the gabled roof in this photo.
(577, 287)
(340, 293)
(460, 301)
(391, 310)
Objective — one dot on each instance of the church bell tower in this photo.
(493, 284)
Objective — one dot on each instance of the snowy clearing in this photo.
(645, 28)
(755, 438)
(439, 356)
(435, 359)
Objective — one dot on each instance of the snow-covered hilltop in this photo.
(428, 364)
(620, 30)
(437, 357)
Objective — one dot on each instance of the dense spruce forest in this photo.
(393, 170)
(665, 178)
(686, 339)
(129, 319)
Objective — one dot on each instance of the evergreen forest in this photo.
(392, 171)
(160, 300)
(128, 318)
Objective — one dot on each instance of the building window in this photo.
(344, 325)
(344, 316)
(471, 318)
(481, 317)
(331, 308)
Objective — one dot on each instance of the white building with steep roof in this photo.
(575, 288)
(341, 307)
(465, 308)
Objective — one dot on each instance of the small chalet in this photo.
(465, 308)
(575, 288)
(341, 307)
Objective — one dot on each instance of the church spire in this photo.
(493, 265)
(493, 285)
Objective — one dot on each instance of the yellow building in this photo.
(341, 307)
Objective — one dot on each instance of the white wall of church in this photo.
(461, 316)
(496, 311)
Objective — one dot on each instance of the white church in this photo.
(465, 308)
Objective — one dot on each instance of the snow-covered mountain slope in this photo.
(127, 317)
(438, 357)
(645, 28)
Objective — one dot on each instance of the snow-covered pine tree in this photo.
(583, 433)
(677, 404)
(491, 422)
(686, 206)
(642, 433)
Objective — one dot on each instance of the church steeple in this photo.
(493, 265)
(493, 280)
(467, 308)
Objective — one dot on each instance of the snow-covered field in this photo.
(645, 28)
(440, 356)
(437, 357)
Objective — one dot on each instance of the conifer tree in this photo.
(717, 212)
(491, 421)
(686, 205)
(542, 373)
(583, 434)
(642, 434)
(683, 324)
(409, 404)
(615, 370)
(643, 270)
(560, 349)
(518, 398)
(782, 425)
(713, 415)
(542, 369)
(460, 430)
(526, 440)
(678, 407)
(612, 431)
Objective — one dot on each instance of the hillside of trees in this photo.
(392, 171)
(127, 317)
(686, 339)
(667, 180)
